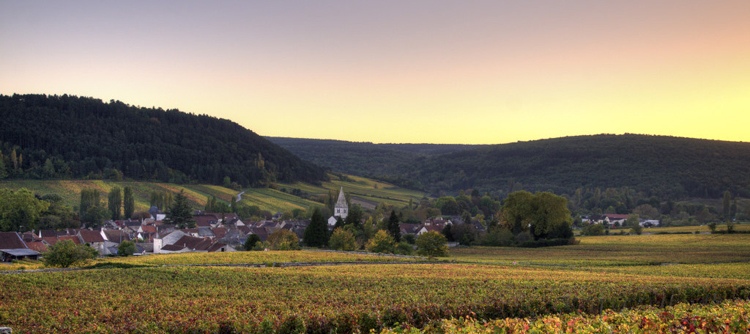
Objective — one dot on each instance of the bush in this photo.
(251, 240)
(343, 240)
(126, 248)
(432, 244)
(66, 253)
(382, 242)
(498, 237)
(283, 240)
(593, 229)
(404, 248)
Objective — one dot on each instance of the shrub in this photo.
(126, 248)
(432, 244)
(382, 242)
(66, 253)
(283, 240)
(404, 248)
(342, 239)
(252, 239)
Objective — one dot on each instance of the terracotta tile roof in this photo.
(71, 238)
(148, 228)
(219, 232)
(37, 246)
(88, 236)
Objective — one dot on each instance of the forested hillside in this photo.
(44, 137)
(363, 158)
(667, 167)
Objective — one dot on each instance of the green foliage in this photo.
(66, 253)
(251, 240)
(593, 229)
(498, 237)
(316, 233)
(138, 143)
(544, 215)
(95, 215)
(126, 248)
(393, 227)
(712, 227)
(283, 240)
(20, 210)
(343, 240)
(404, 248)
(180, 213)
(114, 202)
(432, 244)
(128, 203)
(89, 198)
(560, 165)
(382, 242)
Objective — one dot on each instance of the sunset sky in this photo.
(473, 72)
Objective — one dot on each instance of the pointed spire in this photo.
(342, 199)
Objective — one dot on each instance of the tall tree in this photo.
(180, 213)
(393, 227)
(89, 198)
(114, 202)
(316, 233)
(20, 210)
(128, 202)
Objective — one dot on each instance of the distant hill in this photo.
(667, 167)
(48, 137)
(363, 158)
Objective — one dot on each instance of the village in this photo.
(214, 232)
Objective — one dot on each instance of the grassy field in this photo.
(273, 200)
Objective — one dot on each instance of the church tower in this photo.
(341, 209)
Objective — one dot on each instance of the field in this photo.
(273, 200)
(604, 284)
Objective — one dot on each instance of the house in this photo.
(12, 247)
(156, 214)
(206, 220)
(117, 236)
(168, 239)
(93, 239)
(648, 222)
(192, 244)
(613, 218)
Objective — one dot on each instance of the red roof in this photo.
(69, 237)
(149, 228)
(88, 236)
(37, 246)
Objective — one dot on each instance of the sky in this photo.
(394, 71)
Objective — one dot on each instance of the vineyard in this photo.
(605, 284)
(325, 299)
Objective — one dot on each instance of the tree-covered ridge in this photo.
(77, 137)
(667, 167)
(362, 158)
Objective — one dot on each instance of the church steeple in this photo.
(341, 209)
